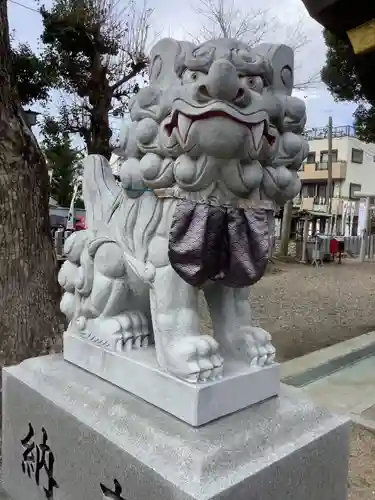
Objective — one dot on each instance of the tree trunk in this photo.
(100, 128)
(30, 320)
(100, 99)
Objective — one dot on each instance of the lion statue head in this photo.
(220, 111)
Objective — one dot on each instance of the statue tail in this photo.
(100, 190)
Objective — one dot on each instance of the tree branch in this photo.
(136, 69)
(310, 82)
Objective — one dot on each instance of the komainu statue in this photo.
(213, 146)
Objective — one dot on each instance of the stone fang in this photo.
(184, 123)
(257, 134)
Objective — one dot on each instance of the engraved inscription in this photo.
(37, 458)
(114, 494)
(28, 454)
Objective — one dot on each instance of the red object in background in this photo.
(80, 223)
(337, 247)
(333, 246)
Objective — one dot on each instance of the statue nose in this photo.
(222, 82)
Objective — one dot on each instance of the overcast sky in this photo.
(27, 27)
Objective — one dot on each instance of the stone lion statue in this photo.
(213, 146)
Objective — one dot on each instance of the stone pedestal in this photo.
(138, 372)
(67, 435)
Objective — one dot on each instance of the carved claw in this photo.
(194, 359)
(271, 354)
(255, 347)
(136, 331)
(262, 351)
(145, 329)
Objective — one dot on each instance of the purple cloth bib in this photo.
(223, 244)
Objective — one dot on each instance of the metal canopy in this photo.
(339, 16)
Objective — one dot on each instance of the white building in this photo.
(353, 169)
(353, 163)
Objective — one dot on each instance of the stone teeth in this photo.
(257, 134)
(184, 123)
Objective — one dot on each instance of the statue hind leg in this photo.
(107, 311)
(111, 314)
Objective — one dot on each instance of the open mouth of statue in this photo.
(182, 122)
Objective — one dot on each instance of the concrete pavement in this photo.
(340, 378)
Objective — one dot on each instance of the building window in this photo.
(308, 191)
(352, 189)
(322, 191)
(324, 156)
(357, 155)
(311, 157)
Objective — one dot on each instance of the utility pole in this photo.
(304, 239)
(329, 171)
(365, 232)
(366, 222)
(285, 228)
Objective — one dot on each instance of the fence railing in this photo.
(352, 246)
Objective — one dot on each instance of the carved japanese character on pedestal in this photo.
(38, 459)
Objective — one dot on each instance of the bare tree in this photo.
(225, 20)
(221, 18)
(30, 319)
(98, 48)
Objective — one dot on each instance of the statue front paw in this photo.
(194, 358)
(256, 347)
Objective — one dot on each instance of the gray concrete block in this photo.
(4, 495)
(103, 438)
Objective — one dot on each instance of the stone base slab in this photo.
(139, 373)
(108, 444)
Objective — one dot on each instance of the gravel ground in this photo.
(307, 308)
(361, 467)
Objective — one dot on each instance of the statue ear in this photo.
(281, 59)
(167, 60)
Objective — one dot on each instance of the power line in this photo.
(24, 6)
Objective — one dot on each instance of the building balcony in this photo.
(311, 204)
(319, 171)
(322, 132)
(318, 204)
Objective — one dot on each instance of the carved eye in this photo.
(191, 76)
(254, 82)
